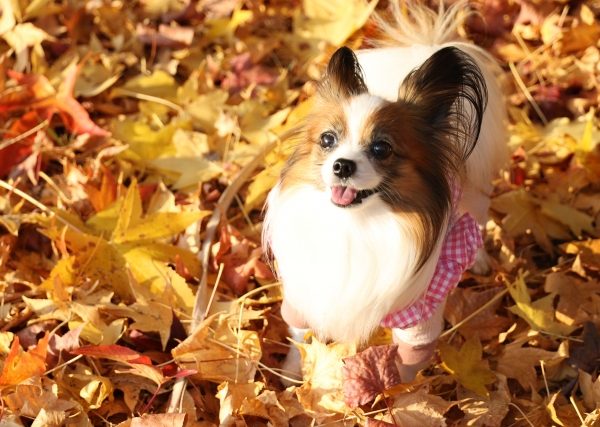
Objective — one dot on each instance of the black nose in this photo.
(344, 168)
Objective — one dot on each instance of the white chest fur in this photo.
(343, 269)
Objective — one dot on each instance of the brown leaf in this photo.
(587, 355)
(159, 420)
(418, 408)
(369, 373)
(462, 302)
(520, 362)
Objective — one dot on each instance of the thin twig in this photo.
(37, 204)
(475, 313)
(527, 94)
(24, 135)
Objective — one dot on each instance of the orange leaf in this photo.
(101, 198)
(37, 94)
(21, 365)
(13, 154)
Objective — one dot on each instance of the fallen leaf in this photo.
(417, 408)
(539, 314)
(21, 365)
(519, 363)
(585, 356)
(467, 365)
(159, 420)
(370, 373)
(333, 21)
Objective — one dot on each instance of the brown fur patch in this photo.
(304, 165)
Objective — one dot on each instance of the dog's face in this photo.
(356, 147)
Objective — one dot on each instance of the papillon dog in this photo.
(359, 215)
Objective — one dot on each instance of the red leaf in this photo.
(113, 352)
(37, 94)
(15, 153)
(370, 373)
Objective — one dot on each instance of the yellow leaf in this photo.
(20, 38)
(539, 314)
(322, 371)
(159, 278)
(524, 215)
(467, 366)
(63, 271)
(145, 142)
(206, 108)
(220, 353)
(159, 226)
(332, 20)
(186, 171)
(587, 142)
(96, 390)
(130, 213)
(5, 339)
(99, 261)
(159, 84)
(232, 396)
(576, 220)
(262, 183)
(104, 222)
(226, 27)
(9, 9)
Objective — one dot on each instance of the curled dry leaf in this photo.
(370, 373)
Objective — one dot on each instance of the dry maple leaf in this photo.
(417, 408)
(21, 365)
(369, 373)
(41, 97)
(467, 365)
(520, 362)
(539, 314)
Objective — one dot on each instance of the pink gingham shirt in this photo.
(457, 254)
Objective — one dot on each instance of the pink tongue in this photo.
(343, 196)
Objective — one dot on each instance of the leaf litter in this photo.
(140, 140)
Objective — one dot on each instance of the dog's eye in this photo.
(328, 140)
(381, 149)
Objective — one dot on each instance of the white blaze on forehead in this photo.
(357, 112)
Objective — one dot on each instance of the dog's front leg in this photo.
(417, 344)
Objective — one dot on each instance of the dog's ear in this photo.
(344, 77)
(450, 93)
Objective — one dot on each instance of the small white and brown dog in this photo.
(401, 142)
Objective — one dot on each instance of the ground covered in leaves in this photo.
(139, 140)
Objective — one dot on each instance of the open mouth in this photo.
(344, 197)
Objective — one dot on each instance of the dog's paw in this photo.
(413, 358)
(482, 264)
(292, 367)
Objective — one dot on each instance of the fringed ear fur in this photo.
(450, 94)
(344, 77)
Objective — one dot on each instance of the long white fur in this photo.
(345, 269)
